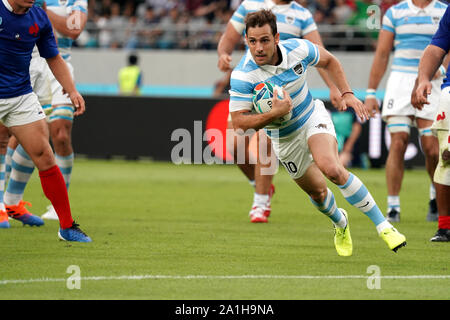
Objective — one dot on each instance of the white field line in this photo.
(220, 277)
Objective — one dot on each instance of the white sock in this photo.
(432, 192)
(385, 224)
(260, 200)
(393, 202)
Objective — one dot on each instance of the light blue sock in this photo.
(356, 193)
(2, 181)
(330, 209)
(65, 164)
(22, 169)
(8, 161)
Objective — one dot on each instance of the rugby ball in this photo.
(262, 99)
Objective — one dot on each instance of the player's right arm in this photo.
(379, 66)
(432, 58)
(228, 41)
(61, 72)
(72, 25)
(244, 120)
(231, 37)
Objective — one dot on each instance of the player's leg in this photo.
(264, 170)
(60, 124)
(22, 166)
(399, 130)
(313, 183)
(442, 183)
(324, 151)
(12, 145)
(34, 139)
(4, 137)
(430, 148)
(295, 156)
(321, 139)
(237, 146)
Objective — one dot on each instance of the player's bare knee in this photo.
(43, 159)
(319, 194)
(333, 171)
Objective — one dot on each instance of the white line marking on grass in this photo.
(220, 277)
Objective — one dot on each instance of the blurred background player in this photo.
(68, 19)
(21, 111)
(430, 62)
(409, 26)
(130, 77)
(348, 130)
(307, 141)
(293, 21)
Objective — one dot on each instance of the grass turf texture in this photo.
(150, 218)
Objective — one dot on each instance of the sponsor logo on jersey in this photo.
(298, 69)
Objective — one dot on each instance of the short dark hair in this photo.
(261, 18)
(132, 59)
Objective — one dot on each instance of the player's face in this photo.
(263, 44)
(20, 5)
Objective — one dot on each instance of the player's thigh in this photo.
(442, 172)
(237, 142)
(34, 139)
(294, 154)
(313, 182)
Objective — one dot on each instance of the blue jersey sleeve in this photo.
(441, 38)
(46, 42)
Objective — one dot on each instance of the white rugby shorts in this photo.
(40, 77)
(21, 110)
(441, 129)
(66, 110)
(397, 100)
(293, 151)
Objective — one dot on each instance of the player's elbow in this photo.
(74, 34)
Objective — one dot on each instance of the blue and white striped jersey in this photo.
(293, 20)
(413, 28)
(65, 8)
(298, 55)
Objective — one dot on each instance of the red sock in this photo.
(444, 222)
(55, 190)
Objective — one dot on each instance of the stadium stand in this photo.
(198, 24)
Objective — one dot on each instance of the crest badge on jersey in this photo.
(436, 19)
(298, 69)
(290, 19)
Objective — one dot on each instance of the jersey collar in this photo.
(283, 65)
(416, 9)
(7, 5)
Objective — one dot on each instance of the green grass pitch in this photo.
(164, 231)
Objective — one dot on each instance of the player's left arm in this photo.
(335, 70)
(70, 26)
(335, 95)
(61, 72)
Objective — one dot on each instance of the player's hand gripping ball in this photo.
(262, 100)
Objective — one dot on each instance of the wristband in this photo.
(370, 94)
(346, 93)
(442, 70)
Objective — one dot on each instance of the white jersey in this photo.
(293, 20)
(297, 55)
(413, 28)
(65, 8)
